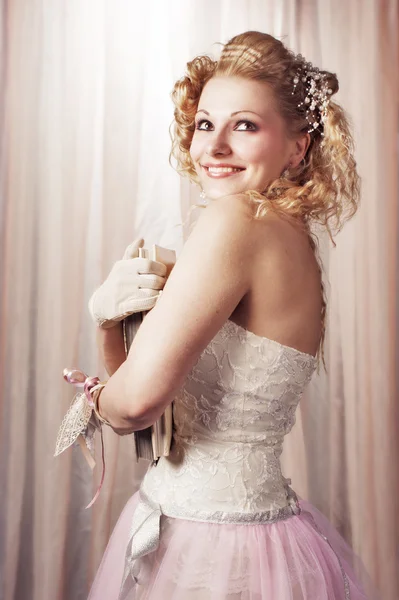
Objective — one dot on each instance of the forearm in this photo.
(115, 404)
(122, 406)
(111, 346)
(112, 349)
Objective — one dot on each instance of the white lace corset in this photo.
(231, 416)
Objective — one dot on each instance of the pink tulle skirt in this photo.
(286, 560)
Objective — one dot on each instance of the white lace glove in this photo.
(133, 285)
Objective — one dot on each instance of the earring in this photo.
(285, 174)
(203, 197)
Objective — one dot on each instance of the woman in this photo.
(233, 340)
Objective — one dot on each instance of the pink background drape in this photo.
(85, 113)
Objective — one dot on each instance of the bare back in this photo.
(285, 301)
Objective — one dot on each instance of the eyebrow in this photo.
(232, 114)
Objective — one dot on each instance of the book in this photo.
(155, 441)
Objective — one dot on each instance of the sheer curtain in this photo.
(85, 113)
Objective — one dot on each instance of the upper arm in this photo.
(211, 276)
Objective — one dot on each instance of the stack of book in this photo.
(155, 441)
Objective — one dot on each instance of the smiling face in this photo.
(240, 141)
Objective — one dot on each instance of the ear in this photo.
(301, 144)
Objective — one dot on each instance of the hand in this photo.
(133, 285)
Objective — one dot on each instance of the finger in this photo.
(145, 294)
(152, 267)
(133, 248)
(137, 266)
(152, 282)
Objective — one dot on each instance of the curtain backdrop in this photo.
(85, 112)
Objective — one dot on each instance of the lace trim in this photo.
(219, 516)
(229, 323)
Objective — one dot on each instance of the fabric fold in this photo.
(145, 532)
(144, 538)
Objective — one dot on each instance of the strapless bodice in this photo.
(231, 415)
(230, 418)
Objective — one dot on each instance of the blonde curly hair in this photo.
(325, 188)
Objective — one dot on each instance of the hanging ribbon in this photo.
(80, 422)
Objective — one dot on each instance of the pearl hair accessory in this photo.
(317, 93)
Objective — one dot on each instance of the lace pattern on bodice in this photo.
(230, 417)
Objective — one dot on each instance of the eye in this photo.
(252, 126)
(205, 125)
(199, 125)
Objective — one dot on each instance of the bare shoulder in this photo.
(232, 218)
(228, 219)
(230, 209)
(239, 212)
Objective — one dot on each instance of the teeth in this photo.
(223, 169)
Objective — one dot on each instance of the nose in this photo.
(218, 144)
